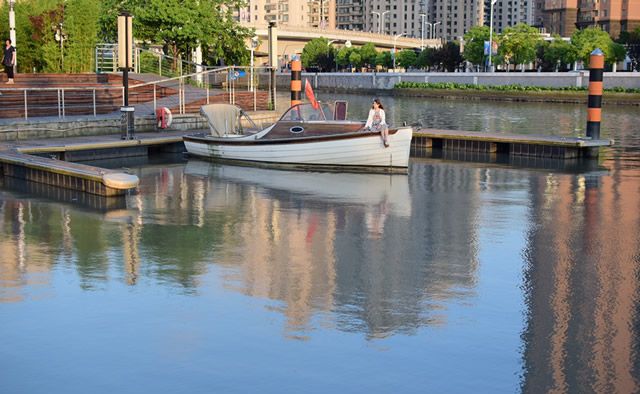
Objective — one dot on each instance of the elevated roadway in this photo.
(292, 39)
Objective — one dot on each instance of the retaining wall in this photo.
(386, 81)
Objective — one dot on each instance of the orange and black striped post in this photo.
(296, 82)
(594, 112)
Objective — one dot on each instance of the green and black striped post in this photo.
(594, 111)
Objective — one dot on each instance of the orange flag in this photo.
(308, 91)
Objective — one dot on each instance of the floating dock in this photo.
(73, 176)
(555, 147)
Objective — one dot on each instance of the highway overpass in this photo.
(291, 40)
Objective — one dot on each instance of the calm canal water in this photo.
(463, 276)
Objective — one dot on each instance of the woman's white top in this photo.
(372, 112)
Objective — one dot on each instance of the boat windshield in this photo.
(306, 112)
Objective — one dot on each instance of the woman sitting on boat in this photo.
(377, 122)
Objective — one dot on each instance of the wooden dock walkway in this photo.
(53, 161)
(556, 147)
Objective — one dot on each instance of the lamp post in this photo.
(335, 57)
(430, 25)
(395, 38)
(382, 29)
(422, 16)
(377, 13)
(491, 34)
(12, 29)
(254, 44)
(433, 34)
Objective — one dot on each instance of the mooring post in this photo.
(296, 81)
(594, 111)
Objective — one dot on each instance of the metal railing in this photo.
(243, 86)
(59, 102)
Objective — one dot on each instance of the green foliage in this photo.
(427, 58)
(343, 56)
(518, 44)
(474, 44)
(406, 58)
(445, 58)
(384, 59)
(81, 27)
(355, 59)
(180, 25)
(559, 53)
(368, 54)
(500, 88)
(449, 56)
(317, 53)
(586, 40)
(631, 40)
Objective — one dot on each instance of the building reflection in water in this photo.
(582, 279)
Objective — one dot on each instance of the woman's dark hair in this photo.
(377, 101)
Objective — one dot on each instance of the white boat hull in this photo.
(358, 152)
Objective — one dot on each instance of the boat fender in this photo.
(164, 117)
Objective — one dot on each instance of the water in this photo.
(461, 277)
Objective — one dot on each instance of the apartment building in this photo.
(300, 13)
(508, 13)
(560, 16)
(614, 16)
(350, 14)
(394, 17)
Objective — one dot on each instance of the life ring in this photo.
(164, 117)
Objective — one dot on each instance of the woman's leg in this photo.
(9, 71)
(385, 135)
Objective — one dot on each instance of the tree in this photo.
(426, 59)
(319, 54)
(182, 25)
(631, 40)
(450, 56)
(384, 59)
(586, 40)
(559, 53)
(368, 54)
(355, 59)
(518, 44)
(342, 57)
(474, 44)
(406, 58)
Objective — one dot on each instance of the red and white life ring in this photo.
(164, 117)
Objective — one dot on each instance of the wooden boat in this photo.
(304, 138)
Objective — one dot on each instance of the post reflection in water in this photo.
(582, 274)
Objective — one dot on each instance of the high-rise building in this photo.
(309, 13)
(508, 13)
(394, 17)
(350, 14)
(614, 16)
(560, 16)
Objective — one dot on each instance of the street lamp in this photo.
(12, 29)
(394, 49)
(430, 25)
(382, 29)
(491, 34)
(254, 44)
(379, 16)
(433, 34)
(335, 57)
(422, 16)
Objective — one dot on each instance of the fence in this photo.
(181, 94)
